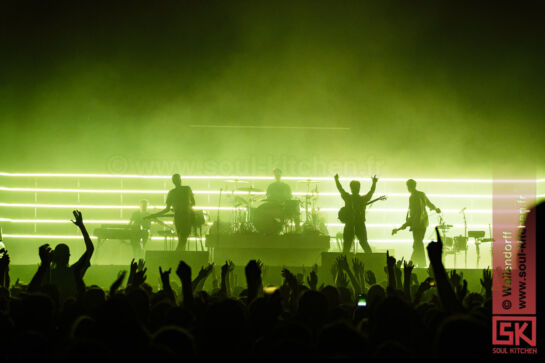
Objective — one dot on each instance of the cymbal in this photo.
(238, 201)
(445, 226)
(250, 189)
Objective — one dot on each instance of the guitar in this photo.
(345, 214)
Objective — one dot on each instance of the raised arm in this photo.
(373, 187)
(184, 273)
(444, 288)
(89, 248)
(339, 186)
(4, 268)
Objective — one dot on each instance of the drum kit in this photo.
(254, 212)
(457, 244)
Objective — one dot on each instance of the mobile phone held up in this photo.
(361, 300)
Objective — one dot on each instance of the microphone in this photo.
(462, 210)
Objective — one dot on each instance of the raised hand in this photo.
(461, 290)
(374, 179)
(4, 259)
(206, 271)
(46, 254)
(227, 268)
(165, 277)
(78, 218)
(342, 263)
(289, 277)
(132, 270)
(312, 280)
(435, 249)
(408, 267)
(4, 268)
(455, 278)
(407, 272)
(426, 284)
(118, 282)
(253, 278)
(358, 267)
(342, 280)
(486, 281)
(370, 278)
(334, 270)
(139, 277)
(184, 272)
(400, 262)
(336, 177)
(390, 260)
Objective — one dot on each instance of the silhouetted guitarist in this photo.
(353, 215)
(417, 220)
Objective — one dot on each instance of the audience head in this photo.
(61, 255)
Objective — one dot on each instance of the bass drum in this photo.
(267, 218)
(292, 209)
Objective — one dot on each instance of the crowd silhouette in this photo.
(57, 316)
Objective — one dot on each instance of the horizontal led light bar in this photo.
(329, 210)
(92, 206)
(248, 177)
(216, 192)
(66, 237)
(121, 221)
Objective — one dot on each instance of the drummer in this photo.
(280, 192)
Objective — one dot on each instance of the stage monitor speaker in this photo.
(371, 261)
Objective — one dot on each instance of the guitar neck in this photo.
(375, 200)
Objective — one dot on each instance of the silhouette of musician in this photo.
(417, 220)
(142, 225)
(353, 214)
(280, 192)
(181, 201)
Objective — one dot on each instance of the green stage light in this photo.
(212, 192)
(135, 176)
(121, 221)
(329, 210)
(67, 237)
(92, 206)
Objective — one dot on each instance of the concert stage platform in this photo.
(291, 249)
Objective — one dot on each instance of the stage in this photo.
(292, 249)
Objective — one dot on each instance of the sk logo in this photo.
(514, 330)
